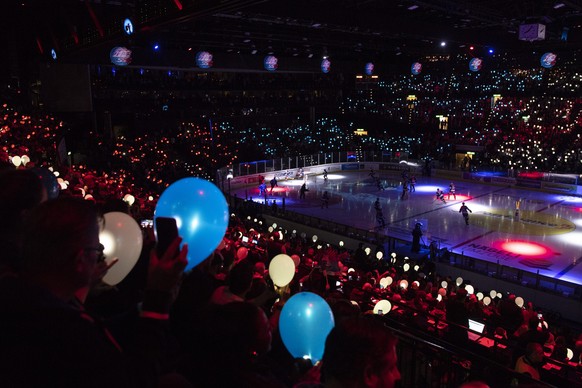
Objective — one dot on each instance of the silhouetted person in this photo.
(416, 235)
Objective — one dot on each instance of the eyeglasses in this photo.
(99, 249)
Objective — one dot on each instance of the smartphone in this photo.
(380, 312)
(245, 239)
(255, 242)
(166, 233)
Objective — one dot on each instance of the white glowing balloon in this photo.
(493, 293)
(274, 225)
(122, 238)
(416, 283)
(16, 161)
(384, 282)
(444, 284)
(480, 295)
(569, 354)
(459, 281)
(351, 270)
(62, 183)
(499, 295)
(129, 199)
(150, 198)
(470, 289)
(486, 301)
(439, 297)
(403, 284)
(282, 270)
(379, 255)
(368, 250)
(393, 254)
(270, 229)
(382, 307)
(24, 159)
(341, 243)
(314, 238)
(416, 267)
(519, 301)
(406, 267)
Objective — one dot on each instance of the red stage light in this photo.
(526, 248)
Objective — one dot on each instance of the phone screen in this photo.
(166, 232)
(245, 239)
(380, 312)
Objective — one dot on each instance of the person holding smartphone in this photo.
(50, 337)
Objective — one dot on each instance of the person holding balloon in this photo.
(38, 310)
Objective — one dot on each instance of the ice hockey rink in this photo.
(544, 236)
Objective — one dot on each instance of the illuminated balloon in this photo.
(470, 289)
(385, 282)
(122, 238)
(519, 301)
(49, 181)
(16, 161)
(282, 270)
(201, 213)
(382, 307)
(305, 322)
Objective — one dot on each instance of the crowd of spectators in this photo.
(218, 326)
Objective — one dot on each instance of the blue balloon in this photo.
(49, 181)
(201, 213)
(305, 322)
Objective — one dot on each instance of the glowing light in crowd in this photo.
(519, 301)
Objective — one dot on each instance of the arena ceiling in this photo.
(83, 30)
